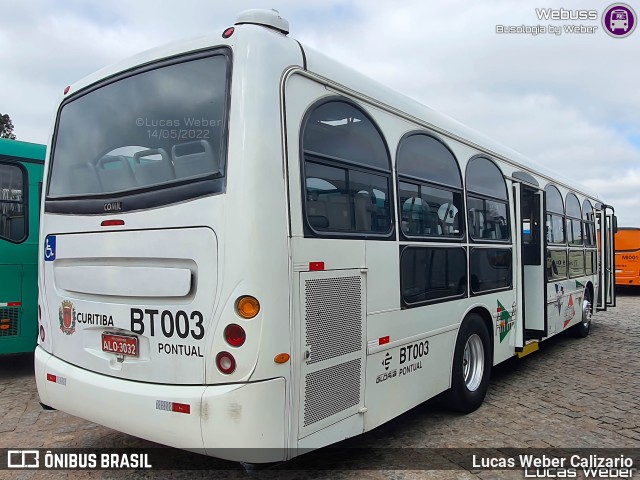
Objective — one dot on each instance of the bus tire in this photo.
(471, 367)
(583, 328)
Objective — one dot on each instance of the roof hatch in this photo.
(266, 18)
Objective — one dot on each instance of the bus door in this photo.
(607, 226)
(530, 268)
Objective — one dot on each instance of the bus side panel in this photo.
(11, 311)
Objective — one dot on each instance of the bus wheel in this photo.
(582, 329)
(471, 365)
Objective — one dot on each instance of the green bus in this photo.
(21, 166)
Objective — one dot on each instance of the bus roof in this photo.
(18, 149)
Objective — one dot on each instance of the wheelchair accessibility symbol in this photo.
(50, 248)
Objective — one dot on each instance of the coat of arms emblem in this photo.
(67, 317)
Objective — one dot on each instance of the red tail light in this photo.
(112, 223)
(225, 363)
(235, 335)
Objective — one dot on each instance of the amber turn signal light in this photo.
(281, 358)
(247, 307)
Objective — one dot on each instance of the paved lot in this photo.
(572, 393)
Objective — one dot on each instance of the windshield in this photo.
(155, 129)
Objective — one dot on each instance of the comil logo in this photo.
(619, 20)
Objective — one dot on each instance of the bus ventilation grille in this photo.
(331, 390)
(9, 321)
(333, 317)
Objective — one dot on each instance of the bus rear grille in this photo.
(331, 390)
(333, 317)
(9, 321)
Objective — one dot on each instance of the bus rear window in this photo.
(149, 130)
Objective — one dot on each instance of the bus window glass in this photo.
(327, 198)
(485, 178)
(574, 231)
(412, 216)
(425, 157)
(490, 269)
(573, 206)
(556, 265)
(443, 206)
(371, 212)
(12, 208)
(555, 215)
(486, 201)
(576, 263)
(487, 219)
(555, 228)
(342, 147)
(339, 130)
(438, 197)
(119, 137)
(589, 227)
(428, 274)
(590, 262)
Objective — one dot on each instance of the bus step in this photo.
(530, 347)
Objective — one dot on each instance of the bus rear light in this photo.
(112, 223)
(66, 89)
(316, 266)
(247, 307)
(39, 312)
(228, 32)
(235, 335)
(56, 379)
(41, 333)
(226, 363)
(173, 406)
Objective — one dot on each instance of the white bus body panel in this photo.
(172, 346)
(225, 421)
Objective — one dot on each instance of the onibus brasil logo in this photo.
(67, 317)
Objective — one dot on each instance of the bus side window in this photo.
(12, 203)
(347, 172)
(430, 180)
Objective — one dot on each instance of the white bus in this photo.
(251, 250)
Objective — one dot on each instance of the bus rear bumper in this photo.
(240, 422)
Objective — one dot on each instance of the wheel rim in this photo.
(586, 313)
(473, 362)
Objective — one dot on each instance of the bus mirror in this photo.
(615, 224)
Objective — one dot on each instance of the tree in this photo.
(6, 127)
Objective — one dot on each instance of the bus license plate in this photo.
(120, 344)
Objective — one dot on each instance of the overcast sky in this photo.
(570, 102)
